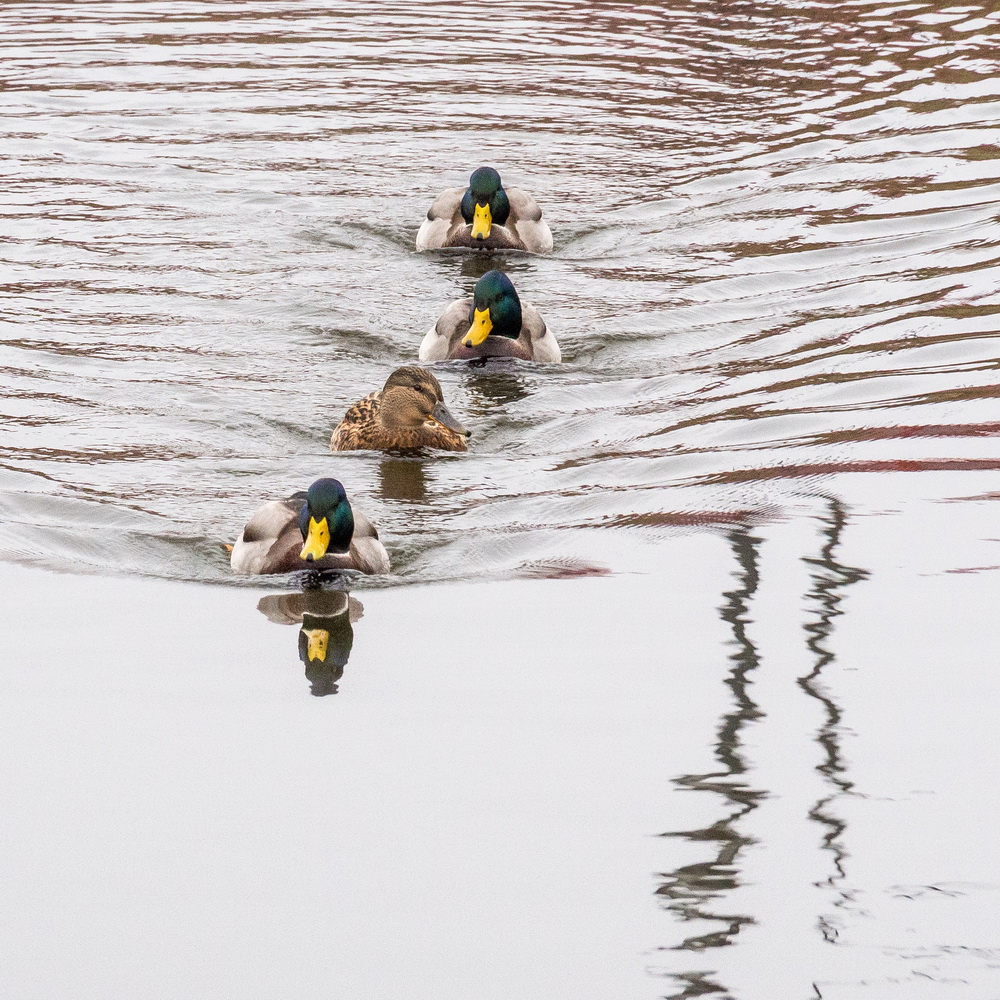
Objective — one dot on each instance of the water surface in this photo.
(775, 284)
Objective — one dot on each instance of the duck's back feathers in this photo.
(443, 216)
(359, 420)
(444, 340)
(367, 551)
(452, 323)
(270, 539)
(543, 343)
(530, 229)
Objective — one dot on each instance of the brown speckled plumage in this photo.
(398, 417)
(361, 429)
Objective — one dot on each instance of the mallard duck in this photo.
(407, 413)
(314, 530)
(492, 324)
(486, 217)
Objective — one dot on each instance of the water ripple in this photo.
(776, 265)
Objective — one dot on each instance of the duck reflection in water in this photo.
(474, 266)
(403, 479)
(326, 634)
(492, 383)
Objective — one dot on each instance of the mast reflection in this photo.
(829, 581)
(691, 889)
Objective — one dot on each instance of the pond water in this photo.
(682, 683)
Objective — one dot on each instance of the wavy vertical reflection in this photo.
(691, 889)
(829, 580)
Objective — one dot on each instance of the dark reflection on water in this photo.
(326, 633)
(698, 984)
(693, 890)
(495, 386)
(472, 266)
(404, 479)
(830, 579)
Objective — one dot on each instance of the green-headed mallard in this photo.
(314, 530)
(492, 324)
(486, 217)
(407, 413)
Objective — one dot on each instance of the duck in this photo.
(316, 529)
(485, 216)
(491, 324)
(406, 414)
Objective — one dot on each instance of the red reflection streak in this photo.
(835, 468)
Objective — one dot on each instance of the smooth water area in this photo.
(682, 684)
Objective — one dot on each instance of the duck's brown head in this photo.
(413, 405)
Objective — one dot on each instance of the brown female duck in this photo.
(406, 414)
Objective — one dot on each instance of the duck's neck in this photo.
(506, 318)
(341, 527)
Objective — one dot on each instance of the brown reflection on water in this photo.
(403, 479)
(830, 578)
(824, 469)
(692, 890)
(776, 254)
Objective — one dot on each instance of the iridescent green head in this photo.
(485, 203)
(495, 311)
(326, 521)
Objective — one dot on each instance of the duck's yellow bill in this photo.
(482, 219)
(480, 329)
(317, 541)
(319, 640)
